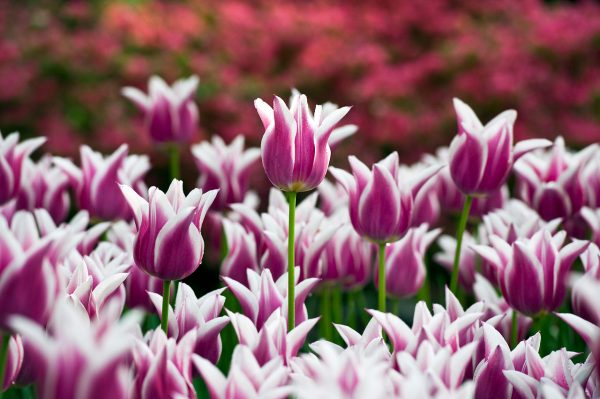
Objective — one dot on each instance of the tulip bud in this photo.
(481, 157)
(295, 147)
(168, 244)
(170, 112)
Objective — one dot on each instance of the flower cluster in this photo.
(115, 299)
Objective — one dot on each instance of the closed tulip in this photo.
(295, 147)
(171, 115)
(380, 204)
(168, 244)
(481, 157)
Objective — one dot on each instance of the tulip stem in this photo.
(462, 224)
(291, 262)
(382, 277)
(3, 358)
(514, 333)
(164, 321)
(174, 162)
(336, 301)
(326, 313)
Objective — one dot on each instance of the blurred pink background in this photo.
(399, 63)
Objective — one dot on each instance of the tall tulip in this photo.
(295, 154)
(168, 244)
(380, 205)
(481, 157)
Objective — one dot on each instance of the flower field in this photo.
(321, 199)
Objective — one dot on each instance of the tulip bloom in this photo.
(263, 296)
(168, 244)
(12, 156)
(200, 315)
(80, 358)
(380, 205)
(97, 182)
(295, 147)
(481, 157)
(170, 112)
(226, 167)
(242, 252)
(553, 183)
(405, 268)
(533, 271)
(246, 377)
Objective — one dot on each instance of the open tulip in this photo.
(170, 111)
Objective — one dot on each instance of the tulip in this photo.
(14, 361)
(347, 259)
(12, 157)
(591, 180)
(295, 153)
(226, 167)
(332, 197)
(579, 301)
(46, 188)
(138, 284)
(170, 112)
(242, 252)
(196, 314)
(163, 366)
(405, 268)
(168, 244)
(272, 339)
(466, 268)
(295, 149)
(263, 296)
(532, 271)
(381, 206)
(246, 378)
(553, 183)
(97, 182)
(334, 373)
(80, 358)
(94, 279)
(481, 157)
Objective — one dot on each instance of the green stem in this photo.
(462, 224)
(424, 293)
(175, 289)
(164, 322)
(3, 358)
(336, 301)
(352, 305)
(291, 262)
(514, 336)
(174, 163)
(382, 277)
(326, 313)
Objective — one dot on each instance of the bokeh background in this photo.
(399, 63)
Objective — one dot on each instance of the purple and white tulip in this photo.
(171, 115)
